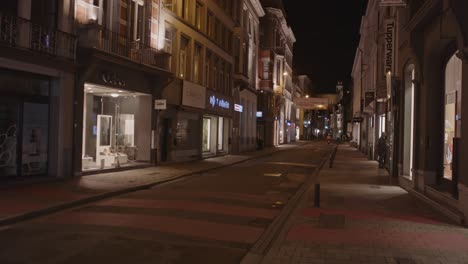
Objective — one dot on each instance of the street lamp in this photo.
(307, 96)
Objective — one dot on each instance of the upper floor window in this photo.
(136, 20)
(183, 57)
(210, 24)
(198, 15)
(208, 68)
(171, 5)
(197, 64)
(185, 9)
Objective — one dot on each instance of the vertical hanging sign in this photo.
(390, 27)
(390, 52)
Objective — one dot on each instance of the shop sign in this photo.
(389, 27)
(160, 104)
(238, 108)
(112, 78)
(392, 3)
(193, 95)
(218, 103)
(357, 119)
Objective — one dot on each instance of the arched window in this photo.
(452, 111)
(408, 121)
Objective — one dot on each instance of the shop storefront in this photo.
(117, 119)
(116, 128)
(217, 124)
(24, 124)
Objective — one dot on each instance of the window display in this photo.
(116, 128)
(452, 109)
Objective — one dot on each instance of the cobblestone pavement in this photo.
(363, 219)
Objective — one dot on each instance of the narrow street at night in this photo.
(214, 217)
(233, 131)
(230, 215)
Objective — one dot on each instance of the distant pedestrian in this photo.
(382, 150)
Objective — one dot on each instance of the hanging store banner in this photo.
(390, 28)
(392, 3)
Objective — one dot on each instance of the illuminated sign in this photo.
(259, 114)
(215, 101)
(238, 108)
(389, 45)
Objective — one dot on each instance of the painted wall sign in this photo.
(238, 108)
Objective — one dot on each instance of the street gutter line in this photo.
(263, 244)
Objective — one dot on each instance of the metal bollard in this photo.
(317, 195)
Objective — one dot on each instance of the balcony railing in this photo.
(97, 37)
(22, 33)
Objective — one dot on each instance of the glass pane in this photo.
(8, 139)
(206, 134)
(117, 128)
(452, 120)
(220, 133)
(35, 138)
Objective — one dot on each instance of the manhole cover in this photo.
(332, 221)
(404, 261)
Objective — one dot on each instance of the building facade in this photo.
(122, 69)
(431, 75)
(37, 75)
(418, 74)
(275, 95)
(246, 75)
(199, 118)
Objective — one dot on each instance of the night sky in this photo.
(327, 33)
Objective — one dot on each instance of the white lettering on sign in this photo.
(214, 101)
(389, 45)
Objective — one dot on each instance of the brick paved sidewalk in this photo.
(363, 219)
(39, 198)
